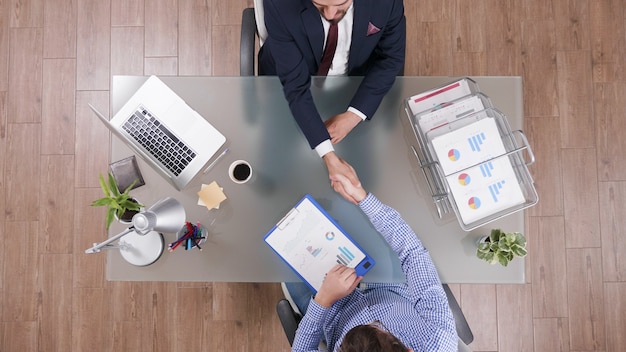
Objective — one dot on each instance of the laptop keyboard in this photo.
(173, 153)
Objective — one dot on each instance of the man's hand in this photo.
(340, 125)
(340, 281)
(337, 166)
(357, 193)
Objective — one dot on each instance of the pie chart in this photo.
(454, 155)
(474, 203)
(464, 179)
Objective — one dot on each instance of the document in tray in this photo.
(434, 98)
(485, 189)
(449, 113)
(467, 146)
(311, 243)
(481, 178)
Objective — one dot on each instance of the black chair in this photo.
(289, 319)
(247, 53)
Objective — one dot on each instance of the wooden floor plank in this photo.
(92, 159)
(196, 316)
(26, 13)
(127, 50)
(615, 306)
(55, 284)
(127, 13)
(608, 45)
(608, 105)
(22, 178)
(58, 120)
(25, 75)
(91, 320)
(88, 229)
(539, 68)
(575, 106)
(20, 295)
(194, 38)
(60, 29)
(585, 299)
(19, 336)
(225, 41)
(582, 226)
(470, 31)
(551, 334)
(613, 222)
(3, 156)
(572, 25)
(57, 204)
(503, 38)
(161, 31)
(4, 46)
(546, 254)
(160, 66)
(93, 45)
(515, 317)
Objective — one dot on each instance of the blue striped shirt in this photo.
(416, 312)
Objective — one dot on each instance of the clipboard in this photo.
(311, 243)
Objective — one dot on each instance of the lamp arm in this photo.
(98, 246)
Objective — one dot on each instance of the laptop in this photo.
(166, 132)
(310, 241)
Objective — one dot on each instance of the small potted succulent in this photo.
(119, 204)
(501, 247)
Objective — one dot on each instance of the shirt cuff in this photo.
(358, 113)
(324, 148)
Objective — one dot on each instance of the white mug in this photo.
(240, 171)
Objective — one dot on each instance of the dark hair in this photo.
(371, 339)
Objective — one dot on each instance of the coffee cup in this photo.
(240, 171)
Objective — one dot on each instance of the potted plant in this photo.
(501, 247)
(120, 205)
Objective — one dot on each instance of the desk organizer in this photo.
(474, 165)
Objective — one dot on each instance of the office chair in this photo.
(246, 48)
(289, 320)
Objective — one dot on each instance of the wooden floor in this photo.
(58, 55)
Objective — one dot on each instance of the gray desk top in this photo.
(253, 115)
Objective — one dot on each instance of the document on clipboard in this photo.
(311, 243)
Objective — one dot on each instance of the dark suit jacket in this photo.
(294, 48)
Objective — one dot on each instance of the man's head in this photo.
(332, 10)
(372, 337)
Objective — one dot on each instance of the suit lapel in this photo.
(313, 28)
(359, 28)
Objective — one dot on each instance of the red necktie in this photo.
(329, 51)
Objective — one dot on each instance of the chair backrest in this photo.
(247, 43)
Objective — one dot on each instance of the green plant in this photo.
(502, 247)
(117, 203)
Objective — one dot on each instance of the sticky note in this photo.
(211, 195)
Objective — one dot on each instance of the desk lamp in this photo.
(142, 243)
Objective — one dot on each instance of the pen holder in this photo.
(190, 236)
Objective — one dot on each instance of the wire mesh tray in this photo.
(474, 165)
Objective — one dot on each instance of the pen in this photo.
(216, 160)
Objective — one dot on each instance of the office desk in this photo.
(254, 116)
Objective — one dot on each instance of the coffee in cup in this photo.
(240, 171)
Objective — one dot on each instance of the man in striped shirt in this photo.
(412, 316)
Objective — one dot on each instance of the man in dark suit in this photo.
(371, 36)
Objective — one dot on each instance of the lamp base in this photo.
(142, 250)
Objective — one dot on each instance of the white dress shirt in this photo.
(339, 66)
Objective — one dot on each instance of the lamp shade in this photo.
(167, 215)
